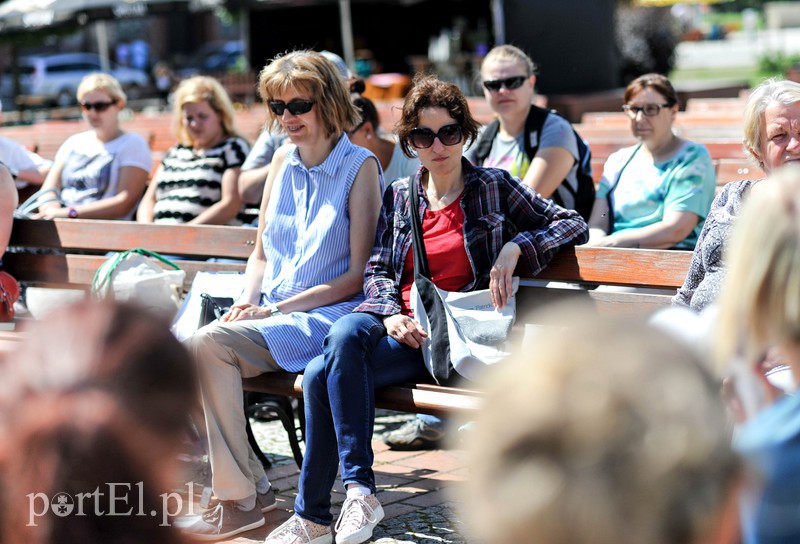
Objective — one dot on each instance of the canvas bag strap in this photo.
(102, 275)
(441, 368)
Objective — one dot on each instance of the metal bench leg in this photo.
(281, 407)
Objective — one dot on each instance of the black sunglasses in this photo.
(295, 107)
(509, 83)
(97, 106)
(422, 138)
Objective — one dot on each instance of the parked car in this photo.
(53, 79)
(214, 58)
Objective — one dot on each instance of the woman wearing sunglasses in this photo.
(657, 193)
(477, 223)
(100, 173)
(508, 80)
(319, 210)
(197, 181)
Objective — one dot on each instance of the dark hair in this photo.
(430, 92)
(67, 445)
(657, 82)
(358, 85)
(369, 114)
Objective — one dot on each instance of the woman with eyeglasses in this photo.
(508, 79)
(100, 173)
(657, 193)
(197, 181)
(318, 215)
(477, 223)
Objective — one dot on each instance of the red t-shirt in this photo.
(443, 232)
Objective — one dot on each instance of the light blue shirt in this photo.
(307, 242)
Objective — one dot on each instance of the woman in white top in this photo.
(101, 173)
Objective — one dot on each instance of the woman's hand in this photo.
(51, 211)
(244, 312)
(405, 330)
(500, 277)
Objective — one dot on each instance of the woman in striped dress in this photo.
(198, 179)
(318, 217)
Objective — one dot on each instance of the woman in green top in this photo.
(657, 193)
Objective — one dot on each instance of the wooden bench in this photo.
(66, 253)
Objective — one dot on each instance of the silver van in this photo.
(53, 79)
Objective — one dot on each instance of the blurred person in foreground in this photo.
(101, 173)
(197, 181)
(101, 402)
(620, 439)
(759, 321)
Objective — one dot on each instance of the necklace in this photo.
(441, 199)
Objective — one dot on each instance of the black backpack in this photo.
(584, 196)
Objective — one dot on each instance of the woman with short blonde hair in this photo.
(100, 173)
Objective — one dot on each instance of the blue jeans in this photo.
(339, 393)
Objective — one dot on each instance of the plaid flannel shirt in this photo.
(498, 208)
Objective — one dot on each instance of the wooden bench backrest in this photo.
(81, 246)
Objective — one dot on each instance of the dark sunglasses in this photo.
(649, 110)
(355, 129)
(295, 107)
(97, 106)
(509, 83)
(422, 138)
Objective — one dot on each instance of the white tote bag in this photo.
(477, 331)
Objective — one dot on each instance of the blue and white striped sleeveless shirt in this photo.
(307, 242)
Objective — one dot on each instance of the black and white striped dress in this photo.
(191, 182)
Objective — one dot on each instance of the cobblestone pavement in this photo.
(416, 489)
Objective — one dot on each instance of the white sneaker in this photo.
(297, 530)
(359, 516)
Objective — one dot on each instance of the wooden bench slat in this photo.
(71, 234)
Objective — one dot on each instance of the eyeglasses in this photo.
(422, 138)
(649, 110)
(99, 107)
(295, 107)
(509, 83)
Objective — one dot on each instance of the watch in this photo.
(274, 310)
(72, 213)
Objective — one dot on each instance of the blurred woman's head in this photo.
(508, 78)
(619, 438)
(652, 105)
(429, 93)
(104, 83)
(760, 299)
(771, 117)
(203, 112)
(302, 86)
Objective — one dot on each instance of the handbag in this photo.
(9, 294)
(207, 300)
(466, 332)
(143, 276)
(212, 308)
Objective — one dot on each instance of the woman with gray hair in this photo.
(771, 118)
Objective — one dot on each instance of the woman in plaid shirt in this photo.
(477, 223)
